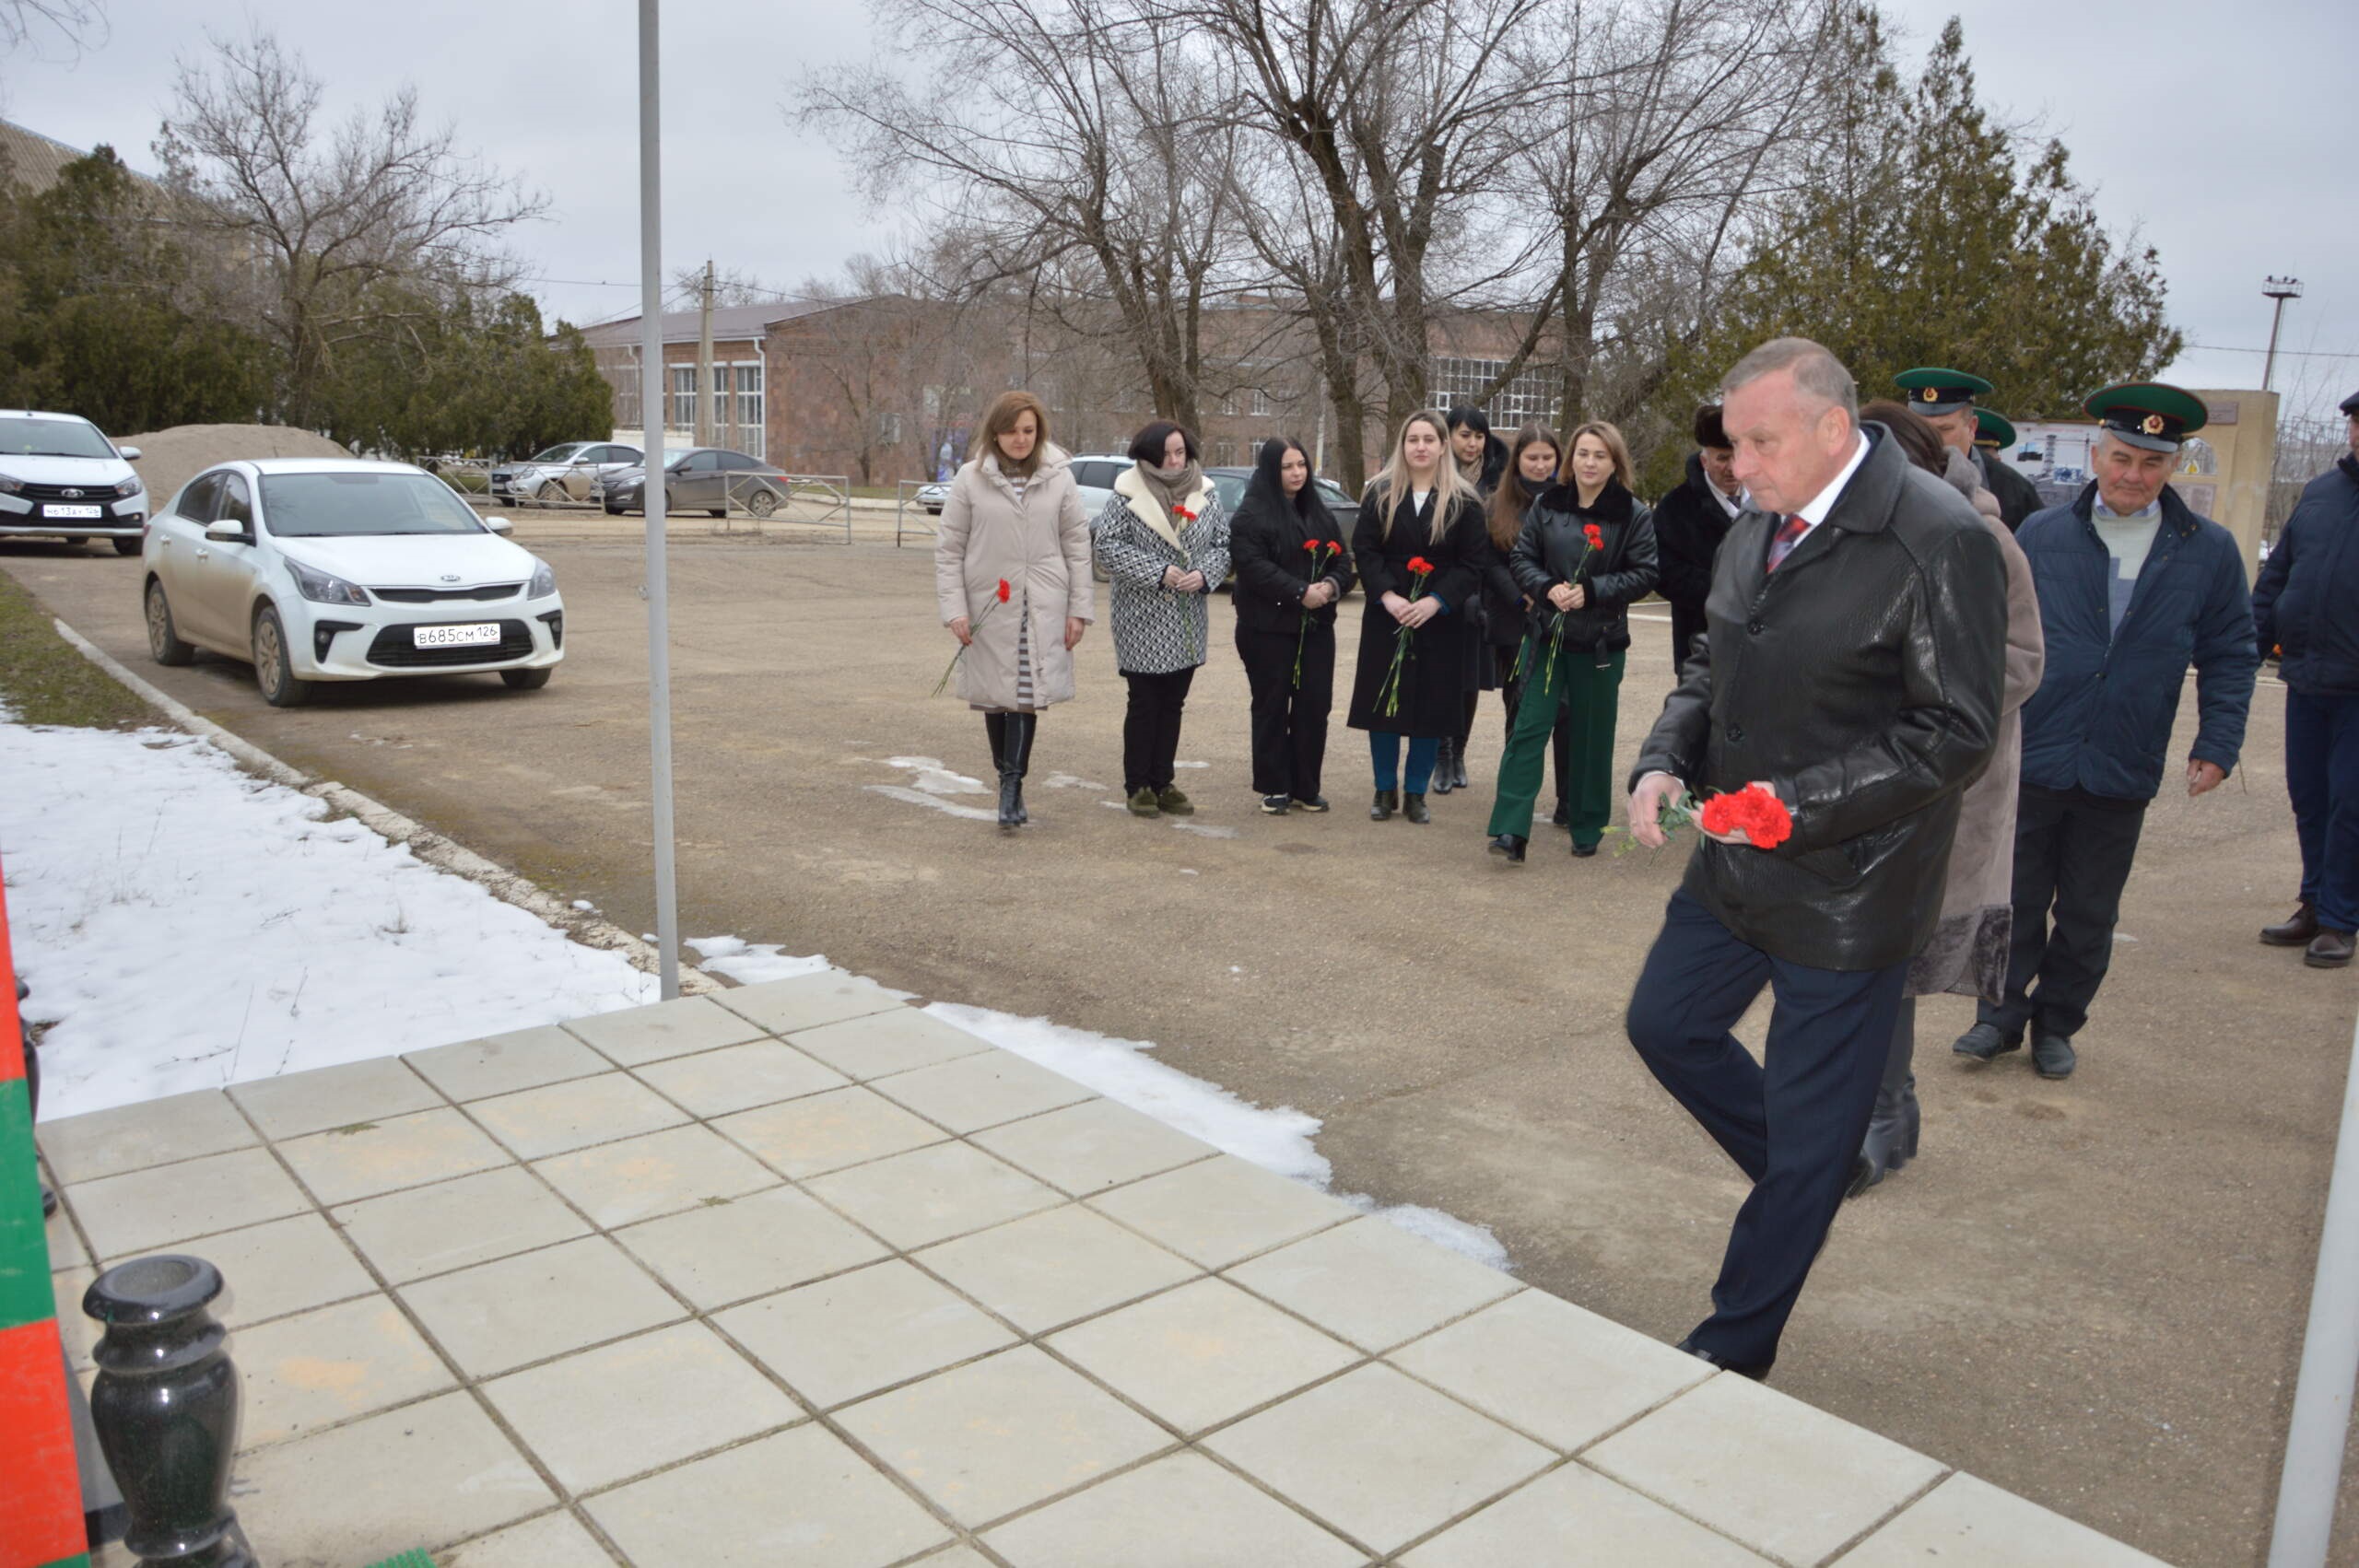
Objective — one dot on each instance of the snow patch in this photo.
(1192, 764)
(1201, 831)
(1069, 781)
(750, 963)
(934, 778)
(902, 792)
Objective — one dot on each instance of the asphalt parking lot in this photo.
(2090, 1293)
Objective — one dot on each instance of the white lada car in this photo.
(61, 477)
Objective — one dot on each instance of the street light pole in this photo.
(2279, 289)
(657, 589)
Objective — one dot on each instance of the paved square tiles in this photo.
(637, 1405)
(1179, 1511)
(471, 1219)
(141, 1210)
(806, 1001)
(1221, 1212)
(826, 1132)
(1054, 1266)
(976, 1092)
(1787, 1480)
(1968, 1520)
(368, 1158)
(886, 1043)
(553, 1540)
(996, 1435)
(320, 1367)
(1373, 1283)
(499, 1316)
(1203, 1353)
(843, 1338)
(271, 1269)
(800, 1497)
(933, 1194)
(476, 1070)
(1379, 1457)
(738, 1078)
(132, 1137)
(1547, 1368)
(637, 1034)
(418, 1475)
(1092, 1146)
(1573, 1517)
(334, 1096)
(719, 1253)
(562, 1117)
(657, 1173)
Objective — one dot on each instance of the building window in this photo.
(750, 428)
(1532, 395)
(889, 429)
(684, 398)
(1224, 452)
(1263, 408)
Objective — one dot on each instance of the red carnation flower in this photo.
(1002, 591)
(1312, 545)
(1754, 810)
(1419, 564)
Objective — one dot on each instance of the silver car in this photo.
(569, 472)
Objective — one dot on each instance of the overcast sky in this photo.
(2220, 133)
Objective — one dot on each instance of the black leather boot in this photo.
(1012, 768)
(1458, 765)
(1443, 755)
(1508, 848)
(2299, 932)
(995, 726)
(1413, 808)
(1387, 803)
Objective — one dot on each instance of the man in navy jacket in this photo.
(2133, 587)
(2306, 603)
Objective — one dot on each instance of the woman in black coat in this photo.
(1418, 636)
(1482, 463)
(1582, 588)
(1291, 571)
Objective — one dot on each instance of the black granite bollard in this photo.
(166, 1409)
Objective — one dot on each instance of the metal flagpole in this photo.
(2321, 1422)
(653, 387)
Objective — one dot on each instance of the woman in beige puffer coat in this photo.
(1014, 516)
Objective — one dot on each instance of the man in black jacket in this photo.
(2307, 604)
(1852, 664)
(1689, 525)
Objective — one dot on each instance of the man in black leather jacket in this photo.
(1852, 662)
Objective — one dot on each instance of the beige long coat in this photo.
(1968, 952)
(1039, 547)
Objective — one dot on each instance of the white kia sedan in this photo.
(334, 569)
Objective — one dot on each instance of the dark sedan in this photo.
(1229, 484)
(711, 479)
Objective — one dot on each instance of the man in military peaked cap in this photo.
(2133, 587)
(1947, 400)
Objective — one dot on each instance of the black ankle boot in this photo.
(1014, 764)
(1444, 754)
(1387, 803)
(1458, 766)
(1413, 808)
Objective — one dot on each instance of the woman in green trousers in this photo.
(1587, 552)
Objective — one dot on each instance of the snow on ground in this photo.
(184, 926)
(749, 964)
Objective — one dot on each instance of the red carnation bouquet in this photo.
(1593, 538)
(974, 624)
(1755, 811)
(1323, 551)
(1388, 695)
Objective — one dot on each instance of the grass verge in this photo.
(44, 680)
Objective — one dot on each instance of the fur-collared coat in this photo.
(1158, 630)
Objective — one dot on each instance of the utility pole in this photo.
(704, 361)
(657, 589)
(2279, 289)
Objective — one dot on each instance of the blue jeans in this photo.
(1384, 750)
(2322, 776)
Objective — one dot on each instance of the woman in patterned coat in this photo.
(1164, 543)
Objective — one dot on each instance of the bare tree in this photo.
(81, 24)
(355, 229)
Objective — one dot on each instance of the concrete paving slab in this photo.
(1086, 1149)
(1221, 1212)
(553, 1540)
(559, 1118)
(1573, 1517)
(657, 1173)
(132, 1137)
(882, 1042)
(933, 1194)
(497, 1316)
(502, 1064)
(637, 1405)
(803, 1496)
(637, 1035)
(1379, 1457)
(142, 1211)
(65, 1243)
(329, 1365)
(824, 1133)
(976, 1092)
(456, 1224)
(1791, 1482)
(1055, 1267)
(371, 1157)
(281, 1266)
(844, 1338)
(1372, 1282)
(76, 1331)
(1202, 1354)
(1968, 1520)
(807, 1001)
(334, 1096)
(719, 1253)
(738, 1078)
(994, 1436)
(1183, 1511)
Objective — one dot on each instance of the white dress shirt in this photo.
(1814, 510)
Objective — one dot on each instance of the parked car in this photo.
(1094, 477)
(934, 498)
(340, 569)
(1229, 484)
(567, 472)
(700, 479)
(60, 479)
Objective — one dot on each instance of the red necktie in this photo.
(1788, 535)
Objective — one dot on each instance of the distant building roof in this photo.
(730, 323)
(34, 160)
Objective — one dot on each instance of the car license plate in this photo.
(483, 633)
(72, 511)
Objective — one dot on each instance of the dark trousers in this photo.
(1688, 623)
(2073, 855)
(2322, 775)
(1151, 729)
(1290, 720)
(1793, 1122)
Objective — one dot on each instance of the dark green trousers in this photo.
(1588, 694)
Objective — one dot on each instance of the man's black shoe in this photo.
(2052, 1057)
(1758, 1374)
(1583, 851)
(2299, 932)
(1986, 1040)
(1507, 846)
(2331, 949)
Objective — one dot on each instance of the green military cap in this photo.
(1991, 429)
(1932, 390)
(2147, 414)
